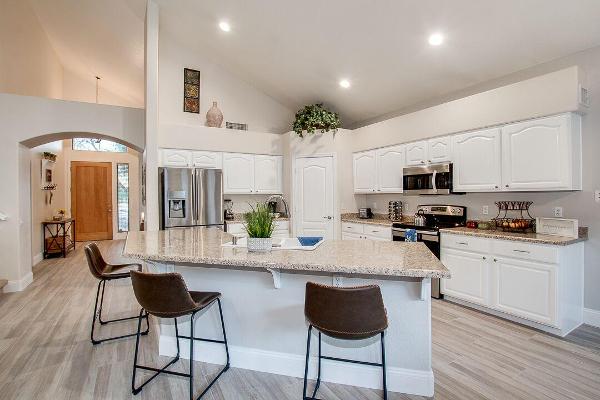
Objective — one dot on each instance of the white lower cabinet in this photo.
(353, 231)
(539, 283)
(281, 230)
(470, 276)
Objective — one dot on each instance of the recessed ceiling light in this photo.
(225, 27)
(345, 83)
(435, 39)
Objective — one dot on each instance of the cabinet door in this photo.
(526, 289)
(238, 173)
(537, 154)
(207, 159)
(365, 172)
(268, 174)
(470, 276)
(416, 153)
(439, 150)
(477, 162)
(390, 165)
(351, 236)
(176, 158)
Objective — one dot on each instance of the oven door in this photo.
(429, 179)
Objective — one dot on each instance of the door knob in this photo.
(328, 217)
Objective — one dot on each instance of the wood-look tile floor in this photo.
(45, 352)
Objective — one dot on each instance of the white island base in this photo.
(266, 328)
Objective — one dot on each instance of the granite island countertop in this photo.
(519, 237)
(363, 257)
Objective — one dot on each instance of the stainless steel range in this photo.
(433, 217)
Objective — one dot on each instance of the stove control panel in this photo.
(457, 211)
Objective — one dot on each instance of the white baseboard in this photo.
(18, 285)
(400, 380)
(37, 258)
(591, 317)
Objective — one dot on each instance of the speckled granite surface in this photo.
(378, 219)
(520, 237)
(365, 257)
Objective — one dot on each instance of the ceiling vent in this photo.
(584, 96)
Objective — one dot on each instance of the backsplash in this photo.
(244, 202)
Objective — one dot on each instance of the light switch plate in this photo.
(485, 210)
(558, 212)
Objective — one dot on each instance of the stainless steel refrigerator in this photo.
(190, 197)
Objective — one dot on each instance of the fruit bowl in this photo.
(515, 224)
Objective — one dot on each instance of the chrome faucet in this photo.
(280, 197)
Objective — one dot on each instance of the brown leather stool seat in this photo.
(352, 313)
(167, 296)
(104, 272)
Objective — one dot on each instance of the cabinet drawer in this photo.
(526, 251)
(466, 243)
(375, 231)
(352, 227)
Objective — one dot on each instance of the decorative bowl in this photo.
(309, 240)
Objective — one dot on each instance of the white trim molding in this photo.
(401, 380)
(37, 259)
(591, 317)
(18, 285)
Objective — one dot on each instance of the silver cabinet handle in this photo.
(506, 185)
(463, 243)
(495, 260)
(496, 187)
(521, 251)
(484, 258)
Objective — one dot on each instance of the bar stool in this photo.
(167, 296)
(104, 272)
(352, 313)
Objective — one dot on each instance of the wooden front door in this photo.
(91, 200)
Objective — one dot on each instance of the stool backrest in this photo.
(163, 295)
(95, 261)
(354, 312)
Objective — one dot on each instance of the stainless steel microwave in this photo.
(428, 179)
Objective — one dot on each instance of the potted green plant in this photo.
(259, 226)
(315, 117)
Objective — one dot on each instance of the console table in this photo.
(58, 236)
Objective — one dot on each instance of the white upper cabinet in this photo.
(238, 173)
(207, 159)
(176, 158)
(268, 174)
(390, 165)
(365, 172)
(543, 154)
(439, 150)
(416, 153)
(477, 161)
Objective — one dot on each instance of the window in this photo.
(98, 145)
(123, 197)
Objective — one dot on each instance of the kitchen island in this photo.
(263, 303)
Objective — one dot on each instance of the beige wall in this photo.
(28, 63)
(83, 88)
(238, 100)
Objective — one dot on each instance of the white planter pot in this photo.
(260, 244)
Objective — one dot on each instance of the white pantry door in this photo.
(314, 197)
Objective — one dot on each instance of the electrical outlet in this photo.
(558, 212)
(597, 196)
(485, 210)
(337, 281)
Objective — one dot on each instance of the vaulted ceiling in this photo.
(297, 51)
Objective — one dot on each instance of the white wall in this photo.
(26, 122)
(28, 63)
(238, 100)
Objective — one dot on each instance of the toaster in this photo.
(365, 213)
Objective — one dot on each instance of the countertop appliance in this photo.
(428, 179)
(435, 217)
(229, 216)
(190, 197)
(365, 213)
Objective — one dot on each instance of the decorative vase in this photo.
(214, 116)
(260, 244)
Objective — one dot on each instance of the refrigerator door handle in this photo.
(193, 197)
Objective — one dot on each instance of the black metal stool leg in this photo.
(101, 303)
(224, 334)
(306, 363)
(383, 366)
(318, 370)
(192, 357)
(95, 313)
